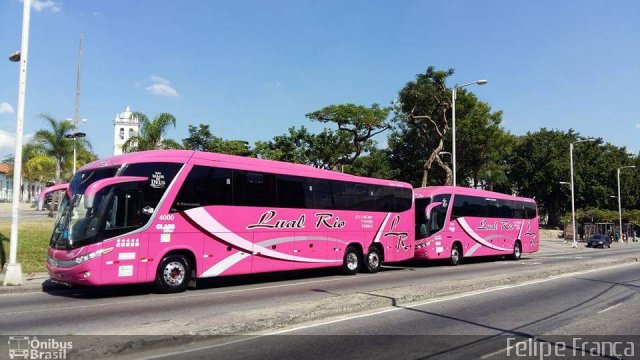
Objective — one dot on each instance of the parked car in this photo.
(599, 240)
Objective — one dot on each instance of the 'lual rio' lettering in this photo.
(329, 221)
(267, 221)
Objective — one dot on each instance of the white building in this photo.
(125, 126)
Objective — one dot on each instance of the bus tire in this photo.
(350, 261)
(174, 274)
(517, 251)
(456, 255)
(373, 260)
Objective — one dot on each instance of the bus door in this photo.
(124, 215)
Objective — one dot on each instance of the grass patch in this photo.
(33, 241)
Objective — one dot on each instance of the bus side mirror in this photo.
(51, 189)
(427, 211)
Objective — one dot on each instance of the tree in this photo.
(483, 146)
(376, 164)
(151, 135)
(323, 150)
(356, 123)
(52, 143)
(201, 139)
(422, 112)
(294, 146)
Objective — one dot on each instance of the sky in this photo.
(252, 69)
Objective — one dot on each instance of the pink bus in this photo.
(455, 222)
(171, 217)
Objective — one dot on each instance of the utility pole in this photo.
(76, 116)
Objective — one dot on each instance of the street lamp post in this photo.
(573, 200)
(453, 122)
(13, 270)
(620, 200)
(565, 183)
(74, 136)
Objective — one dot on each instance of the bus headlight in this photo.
(82, 258)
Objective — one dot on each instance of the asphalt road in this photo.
(137, 310)
(565, 316)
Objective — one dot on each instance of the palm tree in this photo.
(151, 134)
(54, 144)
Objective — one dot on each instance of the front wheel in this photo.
(373, 260)
(173, 274)
(351, 261)
(517, 251)
(456, 255)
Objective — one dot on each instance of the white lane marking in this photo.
(485, 356)
(447, 298)
(172, 354)
(609, 308)
(452, 297)
(163, 298)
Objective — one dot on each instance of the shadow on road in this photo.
(518, 332)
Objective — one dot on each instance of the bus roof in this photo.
(436, 190)
(231, 161)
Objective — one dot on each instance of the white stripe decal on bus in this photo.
(201, 217)
(476, 237)
(384, 223)
(229, 261)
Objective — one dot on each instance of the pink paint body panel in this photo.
(478, 236)
(222, 238)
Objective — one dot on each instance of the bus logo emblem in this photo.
(157, 180)
(401, 237)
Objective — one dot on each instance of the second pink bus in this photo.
(455, 222)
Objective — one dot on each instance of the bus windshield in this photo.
(76, 224)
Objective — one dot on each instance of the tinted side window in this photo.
(204, 186)
(291, 192)
(320, 192)
(385, 198)
(404, 198)
(493, 210)
(254, 189)
(159, 177)
(506, 208)
(518, 210)
(469, 206)
(529, 210)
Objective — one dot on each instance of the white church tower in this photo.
(125, 126)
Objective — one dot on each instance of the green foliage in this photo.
(52, 143)
(357, 124)
(376, 164)
(151, 135)
(325, 150)
(201, 139)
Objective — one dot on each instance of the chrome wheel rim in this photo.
(455, 255)
(373, 260)
(174, 273)
(517, 250)
(352, 261)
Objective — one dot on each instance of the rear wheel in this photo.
(351, 261)
(517, 251)
(456, 255)
(173, 275)
(373, 260)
